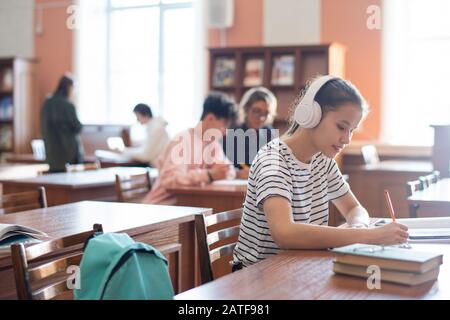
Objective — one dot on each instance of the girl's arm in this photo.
(288, 234)
(354, 213)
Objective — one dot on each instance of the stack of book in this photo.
(396, 264)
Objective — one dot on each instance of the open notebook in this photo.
(14, 233)
(425, 229)
(433, 230)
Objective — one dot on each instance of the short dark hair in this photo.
(64, 85)
(143, 109)
(220, 105)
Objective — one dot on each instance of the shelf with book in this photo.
(284, 70)
(19, 118)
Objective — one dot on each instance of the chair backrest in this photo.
(38, 148)
(429, 179)
(216, 236)
(21, 201)
(370, 154)
(132, 188)
(83, 166)
(51, 275)
(413, 186)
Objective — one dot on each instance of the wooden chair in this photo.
(370, 154)
(132, 188)
(172, 252)
(22, 201)
(83, 166)
(216, 237)
(46, 280)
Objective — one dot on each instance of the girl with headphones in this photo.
(293, 178)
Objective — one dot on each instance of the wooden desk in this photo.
(18, 171)
(308, 274)
(104, 163)
(156, 225)
(434, 201)
(368, 182)
(67, 187)
(218, 197)
(24, 158)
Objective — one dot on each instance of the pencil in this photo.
(389, 204)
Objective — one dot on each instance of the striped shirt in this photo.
(308, 187)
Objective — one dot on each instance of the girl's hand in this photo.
(392, 233)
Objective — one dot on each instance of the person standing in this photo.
(60, 127)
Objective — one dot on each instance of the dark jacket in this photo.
(60, 129)
(241, 144)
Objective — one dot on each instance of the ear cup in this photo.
(308, 115)
(308, 112)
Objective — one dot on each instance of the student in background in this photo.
(257, 111)
(293, 178)
(195, 156)
(156, 136)
(60, 127)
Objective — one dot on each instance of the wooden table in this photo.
(105, 163)
(368, 182)
(17, 171)
(308, 274)
(434, 201)
(66, 187)
(153, 224)
(218, 197)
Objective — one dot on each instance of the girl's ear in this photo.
(209, 117)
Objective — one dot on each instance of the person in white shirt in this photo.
(156, 138)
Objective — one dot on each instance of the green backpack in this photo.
(115, 267)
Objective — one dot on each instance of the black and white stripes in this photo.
(308, 187)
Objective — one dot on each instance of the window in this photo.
(139, 51)
(416, 47)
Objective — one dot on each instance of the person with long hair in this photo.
(257, 110)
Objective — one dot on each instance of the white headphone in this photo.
(308, 111)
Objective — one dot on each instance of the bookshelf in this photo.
(282, 69)
(19, 116)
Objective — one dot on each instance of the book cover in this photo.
(389, 257)
(224, 72)
(6, 137)
(6, 108)
(254, 72)
(405, 278)
(6, 79)
(283, 70)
